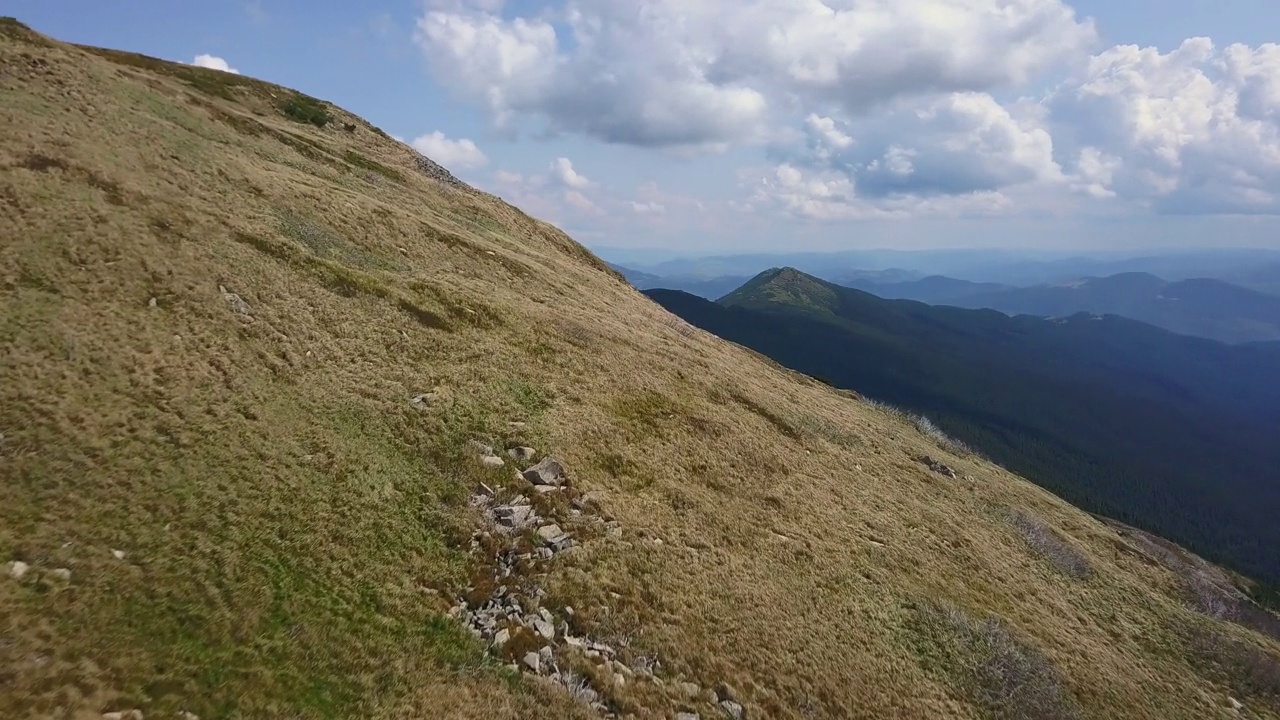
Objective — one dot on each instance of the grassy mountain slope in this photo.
(1201, 307)
(1121, 417)
(218, 300)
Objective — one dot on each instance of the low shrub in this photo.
(1004, 676)
(1048, 544)
(304, 109)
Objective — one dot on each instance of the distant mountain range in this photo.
(1201, 307)
(1172, 433)
(702, 287)
(1249, 268)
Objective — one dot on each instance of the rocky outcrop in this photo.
(548, 473)
(937, 466)
(527, 523)
(436, 172)
(237, 303)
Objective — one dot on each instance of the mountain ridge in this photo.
(1201, 307)
(974, 371)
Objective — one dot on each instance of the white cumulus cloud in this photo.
(562, 170)
(214, 62)
(1196, 129)
(674, 73)
(874, 108)
(461, 154)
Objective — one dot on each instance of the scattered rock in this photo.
(481, 448)
(118, 554)
(544, 628)
(690, 691)
(434, 171)
(688, 716)
(517, 425)
(123, 715)
(544, 489)
(938, 466)
(62, 574)
(554, 537)
(491, 461)
(547, 472)
(1236, 705)
(184, 715)
(423, 401)
(152, 303)
(502, 637)
(522, 453)
(515, 517)
(237, 303)
(17, 569)
(732, 709)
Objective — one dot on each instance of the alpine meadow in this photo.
(296, 424)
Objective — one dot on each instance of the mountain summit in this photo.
(785, 286)
(295, 424)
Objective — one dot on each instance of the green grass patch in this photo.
(646, 412)
(531, 398)
(329, 245)
(364, 163)
(278, 570)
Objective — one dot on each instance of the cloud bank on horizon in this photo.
(865, 109)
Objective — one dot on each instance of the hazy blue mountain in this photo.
(934, 290)
(710, 288)
(1263, 277)
(1173, 433)
(1201, 307)
(1251, 268)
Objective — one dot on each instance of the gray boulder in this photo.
(522, 453)
(237, 303)
(547, 472)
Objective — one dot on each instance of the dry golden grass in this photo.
(287, 517)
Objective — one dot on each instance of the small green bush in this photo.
(304, 109)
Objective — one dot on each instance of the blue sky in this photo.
(724, 125)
